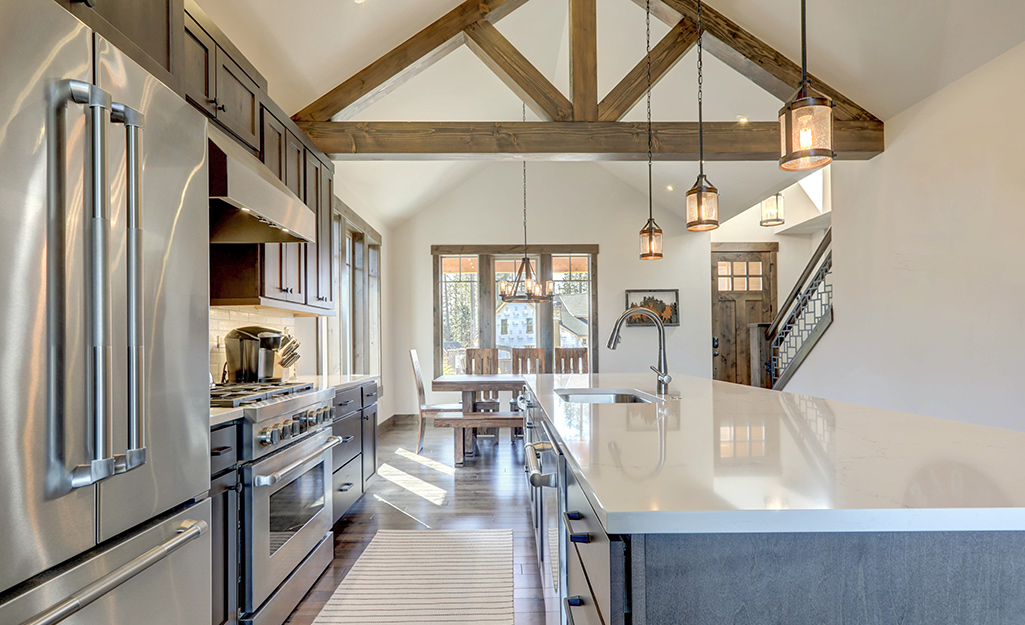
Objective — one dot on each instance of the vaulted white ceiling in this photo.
(885, 55)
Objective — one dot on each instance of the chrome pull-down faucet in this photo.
(662, 370)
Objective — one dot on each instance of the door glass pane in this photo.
(724, 284)
(571, 311)
(740, 284)
(754, 269)
(516, 321)
(724, 269)
(458, 302)
(292, 507)
(739, 269)
(755, 284)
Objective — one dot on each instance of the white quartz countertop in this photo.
(716, 457)
(223, 415)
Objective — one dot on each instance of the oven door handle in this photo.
(535, 477)
(274, 478)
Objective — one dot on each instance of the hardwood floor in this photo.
(426, 492)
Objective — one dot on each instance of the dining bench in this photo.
(463, 424)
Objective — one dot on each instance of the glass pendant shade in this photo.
(702, 206)
(651, 241)
(772, 211)
(806, 132)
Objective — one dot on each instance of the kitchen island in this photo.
(722, 503)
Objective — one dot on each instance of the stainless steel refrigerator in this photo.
(104, 457)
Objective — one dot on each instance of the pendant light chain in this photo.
(701, 125)
(804, 44)
(524, 118)
(647, 47)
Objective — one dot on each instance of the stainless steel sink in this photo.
(606, 396)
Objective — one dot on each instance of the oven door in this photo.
(287, 512)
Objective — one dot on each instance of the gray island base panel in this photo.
(862, 578)
(730, 505)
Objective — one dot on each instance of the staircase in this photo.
(802, 320)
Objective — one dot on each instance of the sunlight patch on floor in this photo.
(413, 484)
(427, 462)
(385, 501)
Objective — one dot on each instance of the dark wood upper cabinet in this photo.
(199, 70)
(150, 32)
(295, 164)
(273, 143)
(318, 255)
(238, 100)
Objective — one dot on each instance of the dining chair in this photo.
(483, 361)
(528, 360)
(570, 360)
(425, 409)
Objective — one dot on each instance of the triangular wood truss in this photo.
(579, 127)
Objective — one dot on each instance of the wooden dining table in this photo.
(470, 386)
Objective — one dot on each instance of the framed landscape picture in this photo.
(663, 302)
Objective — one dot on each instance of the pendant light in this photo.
(527, 286)
(806, 120)
(651, 234)
(703, 198)
(772, 211)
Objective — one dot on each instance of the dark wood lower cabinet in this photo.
(224, 545)
(369, 443)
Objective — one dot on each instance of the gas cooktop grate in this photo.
(241, 394)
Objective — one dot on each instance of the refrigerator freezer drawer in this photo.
(172, 590)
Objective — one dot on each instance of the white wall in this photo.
(929, 267)
(569, 203)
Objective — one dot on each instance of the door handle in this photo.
(274, 478)
(188, 531)
(135, 454)
(98, 104)
(535, 477)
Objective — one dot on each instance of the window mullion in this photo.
(545, 314)
(486, 303)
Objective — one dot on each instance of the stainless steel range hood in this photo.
(248, 204)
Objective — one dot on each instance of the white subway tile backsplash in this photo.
(224, 319)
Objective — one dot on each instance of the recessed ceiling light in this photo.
(669, 187)
(359, 1)
(285, 230)
(244, 209)
(742, 119)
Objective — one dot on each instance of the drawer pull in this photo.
(345, 487)
(220, 451)
(374, 394)
(576, 601)
(574, 516)
(348, 439)
(580, 538)
(347, 402)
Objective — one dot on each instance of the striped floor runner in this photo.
(427, 576)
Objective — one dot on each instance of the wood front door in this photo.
(743, 292)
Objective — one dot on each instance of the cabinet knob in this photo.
(345, 487)
(576, 601)
(580, 538)
(221, 107)
(574, 515)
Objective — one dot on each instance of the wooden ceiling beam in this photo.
(625, 141)
(664, 56)
(752, 57)
(583, 52)
(405, 61)
(519, 74)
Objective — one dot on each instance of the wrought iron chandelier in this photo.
(651, 234)
(527, 286)
(703, 198)
(772, 211)
(806, 120)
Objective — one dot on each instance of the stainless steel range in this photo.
(286, 503)
(241, 394)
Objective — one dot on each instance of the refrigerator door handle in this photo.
(98, 104)
(187, 532)
(135, 454)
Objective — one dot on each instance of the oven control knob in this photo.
(322, 415)
(301, 423)
(268, 436)
(297, 426)
(313, 418)
(286, 430)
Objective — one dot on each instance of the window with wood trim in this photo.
(470, 313)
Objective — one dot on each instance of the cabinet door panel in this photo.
(324, 296)
(295, 280)
(272, 144)
(238, 100)
(369, 442)
(200, 67)
(295, 165)
(274, 265)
